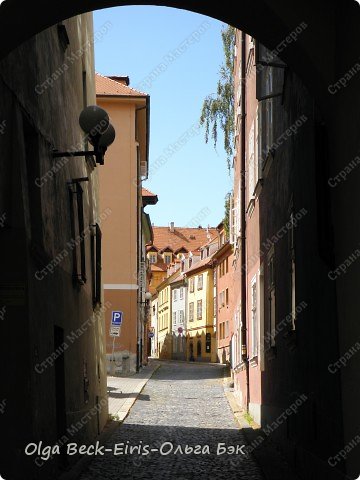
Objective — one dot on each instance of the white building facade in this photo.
(178, 309)
(154, 326)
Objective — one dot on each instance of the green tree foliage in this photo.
(218, 109)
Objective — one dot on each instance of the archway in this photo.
(311, 56)
(318, 56)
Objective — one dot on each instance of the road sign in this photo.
(115, 331)
(116, 319)
(180, 330)
(151, 334)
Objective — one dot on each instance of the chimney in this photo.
(172, 225)
(124, 80)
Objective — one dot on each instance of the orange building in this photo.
(121, 192)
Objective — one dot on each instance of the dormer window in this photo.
(167, 258)
(152, 257)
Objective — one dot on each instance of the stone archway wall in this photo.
(272, 22)
(323, 56)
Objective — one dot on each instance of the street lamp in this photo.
(145, 305)
(95, 122)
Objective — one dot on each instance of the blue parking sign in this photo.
(117, 318)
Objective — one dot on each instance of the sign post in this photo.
(115, 330)
(116, 322)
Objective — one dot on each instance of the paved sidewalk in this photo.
(124, 391)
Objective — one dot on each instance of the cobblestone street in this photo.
(182, 404)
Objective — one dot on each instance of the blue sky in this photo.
(175, 56)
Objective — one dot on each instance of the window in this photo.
(222, 331)
(181, 293)
(77, 232)
(227, 329)
(226, 265)
(272, 311)
(191, 311)
(234, 216)
(269, 122)
(167, 258)
(237, 342)
(96, 264)
(152, 258)
(221, 299)
(191, 284)
(181, 317)
(199, 310)
(251, 153)
(175, 295)
(254, 327)
(200, 282)
(227, 297)
(174, 318)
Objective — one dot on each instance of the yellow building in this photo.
(201, 336)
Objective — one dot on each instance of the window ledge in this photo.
(254, 361)
(258, 187)
(268, 162)
(239, 367)
(251, 206)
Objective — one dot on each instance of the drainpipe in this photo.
(244, 347)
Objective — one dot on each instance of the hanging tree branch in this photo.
(218, 109)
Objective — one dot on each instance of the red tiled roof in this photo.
(180, 237)
(158, 268)
(108, 87)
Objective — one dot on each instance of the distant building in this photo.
(178, 312)
(166, 255)
(201, 330)
(224, 291)
(173, 244)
